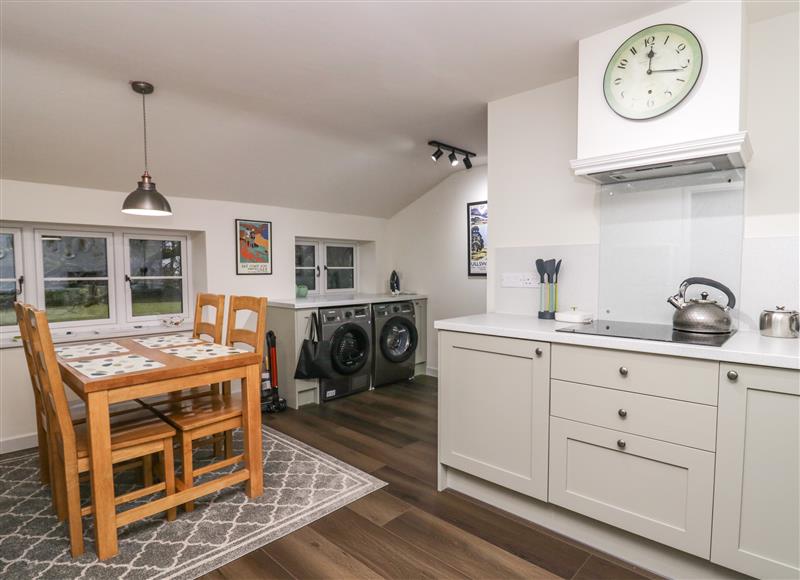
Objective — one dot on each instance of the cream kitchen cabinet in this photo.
(757, 496)
(421, 321)
(494, 403)
(652, 488)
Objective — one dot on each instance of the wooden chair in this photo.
(135, 433)
(201, 417)
(41, 415)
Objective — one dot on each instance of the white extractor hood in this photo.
(719, 153)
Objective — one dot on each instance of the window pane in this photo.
(7, 269)
(304, 256)
(338, 257)
(306, 276)
(340, 279)
(76, 300)
(8, 293)
(155, 257)
(156, 297)
(75, 257)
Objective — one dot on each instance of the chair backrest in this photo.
(211, 329)
(254, 338)
(54, 398)
(19, 309)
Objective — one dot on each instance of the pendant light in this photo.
(145, 200)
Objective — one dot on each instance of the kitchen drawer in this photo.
(651, 374)
(674, 421)
(658, 490)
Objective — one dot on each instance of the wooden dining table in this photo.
(177, 373)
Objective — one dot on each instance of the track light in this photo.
(454, 152)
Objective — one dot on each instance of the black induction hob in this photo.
(643, 331)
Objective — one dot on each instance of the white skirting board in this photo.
(634, 549)
(18, 443)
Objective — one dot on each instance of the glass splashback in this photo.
(658, 232)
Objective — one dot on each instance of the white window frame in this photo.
(112, 282)
(321, 265)
(325, 267)
(184, 277)
(19, 268)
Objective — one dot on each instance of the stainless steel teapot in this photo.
(701, 314)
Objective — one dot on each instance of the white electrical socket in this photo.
(519, 280)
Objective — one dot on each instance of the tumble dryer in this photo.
(347, 331)
(395, 337)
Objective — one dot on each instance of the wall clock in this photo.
(653, 71)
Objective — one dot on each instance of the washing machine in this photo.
(395, 338)
(347, 331)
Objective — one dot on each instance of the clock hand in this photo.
(666, 70)
(650, 56)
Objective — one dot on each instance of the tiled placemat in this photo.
(115, 365)
(167, 340)
(94, 349)
(203, 351)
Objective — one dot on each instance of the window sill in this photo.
(12, 340)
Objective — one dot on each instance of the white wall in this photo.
(214, 221)
(428, 240)
(533, 135)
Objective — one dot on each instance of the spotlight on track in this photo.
(454, 152)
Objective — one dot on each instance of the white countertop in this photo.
(330, 301)
(743, 347)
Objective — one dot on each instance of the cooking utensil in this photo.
(701, 314)
(540, 269)
(558, 267)
(550, 271)
(779, 323)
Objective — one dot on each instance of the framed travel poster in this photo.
(253, 247)
(477, 221)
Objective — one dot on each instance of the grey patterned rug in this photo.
(301, 484)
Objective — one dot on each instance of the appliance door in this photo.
(398, 339)
(349, 348)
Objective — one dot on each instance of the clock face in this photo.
(653, 71)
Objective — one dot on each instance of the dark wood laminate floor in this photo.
(408, 529)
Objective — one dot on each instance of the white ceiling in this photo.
(324, 106)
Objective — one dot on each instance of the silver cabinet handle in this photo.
(623, 371)
(622, 413)
(538, 352)
(621, 443)
(733, 375)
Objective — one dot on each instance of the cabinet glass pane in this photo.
(149, 297)
(304, 256)
(306, 276)
(7, 269)
(339, 257)
(8, 293)
(76, 300)
(155, 257)
(340, 279)
(75, 257)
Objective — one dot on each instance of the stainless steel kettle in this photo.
(701, 314)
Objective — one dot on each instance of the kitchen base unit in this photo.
(493, 409)
(757, 494)
(686, 466)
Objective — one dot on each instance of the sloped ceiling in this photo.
(325, 106)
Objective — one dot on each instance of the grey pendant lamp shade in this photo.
(145, 200)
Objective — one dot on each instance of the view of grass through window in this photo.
(156, 277)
